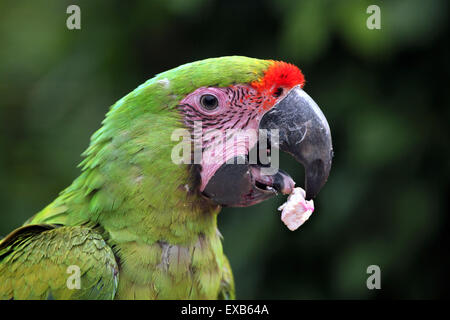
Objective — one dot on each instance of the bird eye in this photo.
(209, 102)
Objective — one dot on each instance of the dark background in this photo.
(385, 94)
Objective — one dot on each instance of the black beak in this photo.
(304, 133)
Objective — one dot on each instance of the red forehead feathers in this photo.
(279, 74)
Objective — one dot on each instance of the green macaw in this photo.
(139, 223)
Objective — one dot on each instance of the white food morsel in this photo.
(296, 210)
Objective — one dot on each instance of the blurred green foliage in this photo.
(384, 92)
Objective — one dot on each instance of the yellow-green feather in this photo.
(35, 264)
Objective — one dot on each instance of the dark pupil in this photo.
(209, 101)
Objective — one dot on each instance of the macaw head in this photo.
(246, 111)
(236, 114)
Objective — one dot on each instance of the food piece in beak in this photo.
(296, 210)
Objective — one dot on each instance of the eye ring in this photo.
(209, 102)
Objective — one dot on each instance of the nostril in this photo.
(278, 92)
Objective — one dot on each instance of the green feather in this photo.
(129, 206)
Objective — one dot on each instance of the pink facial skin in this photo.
(238, 113)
